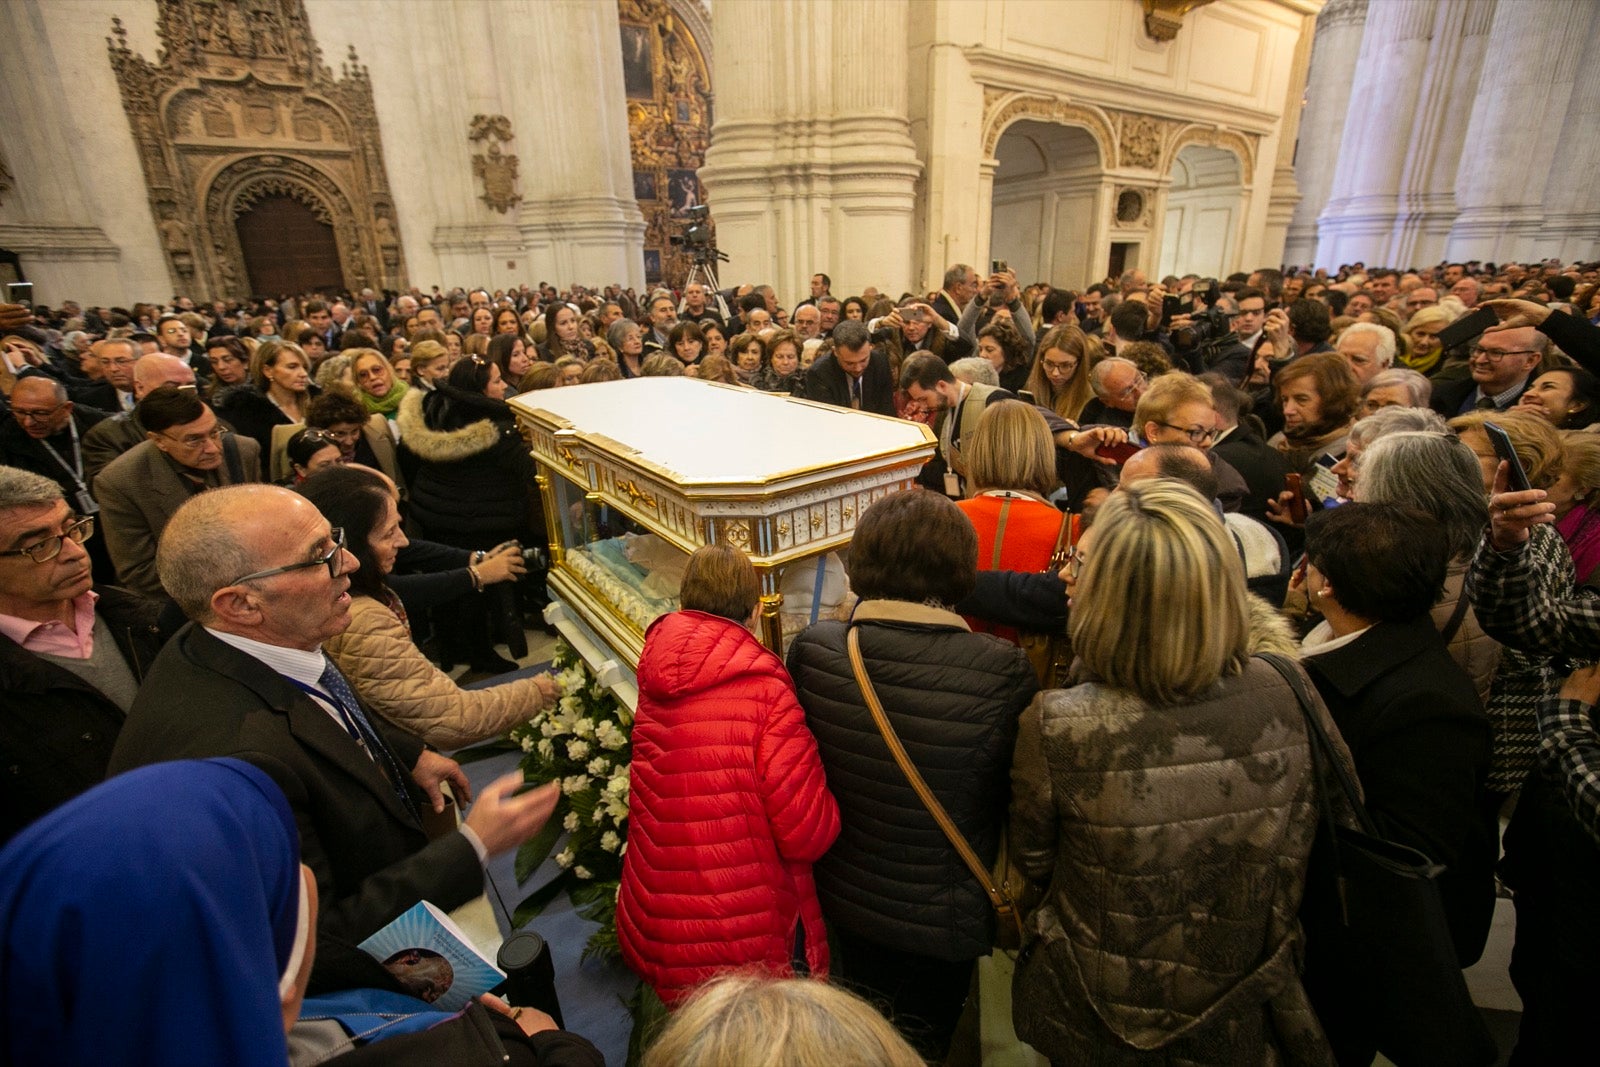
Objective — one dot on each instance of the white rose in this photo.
(618, 786)
(547, 748)
(582, 872)
(527, 743)
(610, 841)
(583, 727)
(599, 767)
(576, 783)
(577, 750)
(570, 823)
(564, 858)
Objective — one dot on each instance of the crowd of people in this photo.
(244, 544)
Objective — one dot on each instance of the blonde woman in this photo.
(280, 387)
(1060, 376)
(1205, 964)
(430, 364)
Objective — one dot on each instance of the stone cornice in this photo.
(58, 241)
(1001, 70)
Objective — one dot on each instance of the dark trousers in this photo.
(920, 995)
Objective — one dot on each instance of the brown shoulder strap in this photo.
(997, 897)
(1000, 533)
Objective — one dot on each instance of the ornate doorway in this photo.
(287, 249)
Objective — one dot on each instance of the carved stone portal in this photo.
(239, 105)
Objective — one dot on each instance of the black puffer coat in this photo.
(954, 698)
(473, 474)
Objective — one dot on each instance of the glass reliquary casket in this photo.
(635, 475)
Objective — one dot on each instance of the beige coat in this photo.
(1473, 650)
(1174, 841)
(395, 679)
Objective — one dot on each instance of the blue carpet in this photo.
(593, 993)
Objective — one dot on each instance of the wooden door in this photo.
(287, 249)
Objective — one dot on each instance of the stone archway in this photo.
(240, 95)
(1049, 184)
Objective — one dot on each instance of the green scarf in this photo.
(386, 406)
(1424, 363)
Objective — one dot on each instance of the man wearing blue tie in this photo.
(265, 581)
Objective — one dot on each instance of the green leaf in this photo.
(537, 848)
(587, 893)
(538, 900)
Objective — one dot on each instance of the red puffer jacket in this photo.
(729, 808)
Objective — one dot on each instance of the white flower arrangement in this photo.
(584, 743)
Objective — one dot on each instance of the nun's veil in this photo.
(151, 920)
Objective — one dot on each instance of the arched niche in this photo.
(1047, 202)
(244, 183)
(1204, 212)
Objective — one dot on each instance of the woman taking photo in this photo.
(1168, 931)
(909, 919)
(1060, 376)
(376, 653)
(379, 389)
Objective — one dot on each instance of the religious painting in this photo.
(638, 63)
(652, 266)
(683, 188)
(644, 185)
(684, 117)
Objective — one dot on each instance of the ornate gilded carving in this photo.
(1242, 145)
(667, 79)
(238, 88)
(495, 168)
(1164, 18)
(1097, 121)
(1141, 141)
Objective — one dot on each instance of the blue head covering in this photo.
(148, 921)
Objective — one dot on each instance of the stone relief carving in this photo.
(1242, 145)
(667, 70)
(243, 82)
(1141, 141)
(1099, 122)
(495, 168)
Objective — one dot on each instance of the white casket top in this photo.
(708, 433)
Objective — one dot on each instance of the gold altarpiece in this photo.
(239, 105)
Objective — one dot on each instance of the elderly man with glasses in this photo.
(186, 451)
(266, 581)
(1503, 364)
(71, 659)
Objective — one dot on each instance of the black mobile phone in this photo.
(997, 266)
(1466, 328)
(19, 293)
(1502, 448)
(1170, 305)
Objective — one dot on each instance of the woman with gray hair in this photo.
(1438, 474)
(1380, 423)
(626, 339)
(1395, 387)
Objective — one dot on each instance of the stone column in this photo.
(1512, 138)
(1285, 193)
(1334, 52)
(1359, 219)
(561, 77)
(1572, 213)
(1427, 206)
(811, 165)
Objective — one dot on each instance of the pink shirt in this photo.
(56, 638)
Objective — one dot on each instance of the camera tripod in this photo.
(704, 269)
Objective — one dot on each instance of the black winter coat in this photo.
(954, 698)
(57, 732)
(474, 472)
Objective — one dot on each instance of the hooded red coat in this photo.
(729, 807)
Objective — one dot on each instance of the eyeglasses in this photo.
(1128, 394)
(1075, 561)
(343, 436)
(50, 547)
(320, 437)
(1495, 357)
(333, 559)
(1058, 369)
(36, 416)
(199, 440)
(1196, 435)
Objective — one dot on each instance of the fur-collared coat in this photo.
(474, 473)
(1175, 842)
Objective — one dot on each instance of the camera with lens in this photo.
(697, 238)
(1208, 326)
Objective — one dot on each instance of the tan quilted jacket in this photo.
(396, 680)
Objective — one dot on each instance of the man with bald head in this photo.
(116, 435)
(1262, 549)
(265, 582)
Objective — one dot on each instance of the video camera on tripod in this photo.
(697, 238)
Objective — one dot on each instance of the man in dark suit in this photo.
(1262, 466)
(853, 375)
(265, 582)
(1503, 364)
(960, 286)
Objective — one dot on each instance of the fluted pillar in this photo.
(811, 165)
(1360, 215)
(1512, 138)
(1285, 195)
(1571, 227)
(560, 64)
(1334, 52)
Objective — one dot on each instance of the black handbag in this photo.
(1412, 997)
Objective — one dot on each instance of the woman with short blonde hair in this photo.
(1011, 450)
(793, 1022)
(1178, 754)
(430, 364)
